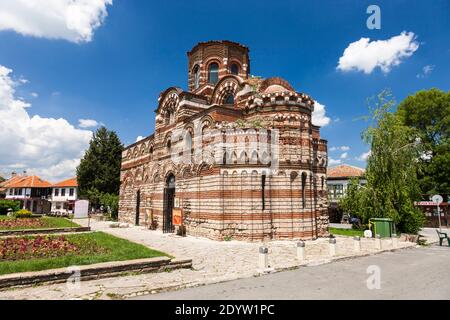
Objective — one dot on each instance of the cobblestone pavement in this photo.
(213, 262)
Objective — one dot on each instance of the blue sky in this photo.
(139, 49)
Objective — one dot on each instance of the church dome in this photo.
(275, 84)
(275, 88)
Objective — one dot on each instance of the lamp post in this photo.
(438, 200)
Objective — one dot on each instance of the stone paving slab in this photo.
(212, 262)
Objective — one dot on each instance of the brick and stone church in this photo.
(235, 156)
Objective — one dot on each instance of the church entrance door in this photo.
(169, 198)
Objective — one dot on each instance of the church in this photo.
(233, 157)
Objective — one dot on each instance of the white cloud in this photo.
(87, 123)
(34, 94)
(47, 147)
(364, 156)
(341, 148)
(344, 155)
(319, 117)
(72, 20)
(139, 138)
(363, 55)
(425, 71)
(334, 162)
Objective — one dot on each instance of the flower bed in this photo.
(7, 223)
(14, 224)
(36, 253)
(24, 248)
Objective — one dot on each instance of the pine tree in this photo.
(99, 170)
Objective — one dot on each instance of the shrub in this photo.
(8, 204)
(23, 214)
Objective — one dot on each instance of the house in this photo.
(2, 189)
(64, 195)
(338, 180)
(233, 156)
(33, 192)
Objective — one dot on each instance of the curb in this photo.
(92, 272)
(9, 233)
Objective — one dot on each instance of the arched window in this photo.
(229, 99)
(234, 69)
(196, 72)
(304, 189)
(169, 146)
(150, 152)
(187, 152)
(213, 73)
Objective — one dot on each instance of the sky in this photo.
(70, 66)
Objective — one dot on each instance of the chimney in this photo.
(13, 174)
(24, 173)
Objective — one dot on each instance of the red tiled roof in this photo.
(26, 182)
(345, 171)
(67, 183)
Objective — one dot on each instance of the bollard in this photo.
(332, 247)
(394, 241)
(378, 242)
(357, 244)
(300, 250)
(263, 258)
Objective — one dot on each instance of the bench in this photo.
(442, 236)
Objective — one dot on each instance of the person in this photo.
(356, 223)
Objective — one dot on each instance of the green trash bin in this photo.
(383, 226)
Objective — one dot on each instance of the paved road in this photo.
(419, 273)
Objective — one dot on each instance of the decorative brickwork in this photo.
(238, 154)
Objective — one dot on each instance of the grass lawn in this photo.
(7, 223)
(95, 247)
(346, 232)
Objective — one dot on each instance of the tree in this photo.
(392, 184)
(99, 170)
(428, 111)
(110, 203)
(8, 204)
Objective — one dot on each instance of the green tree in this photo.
(110, 203)
(428, 111)
(392, 184)
(99, 170)
(354, 201)
(8, 204)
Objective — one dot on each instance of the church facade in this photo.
(233, 157)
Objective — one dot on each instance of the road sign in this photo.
(437, 199)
